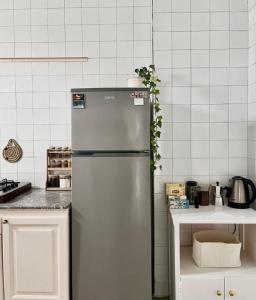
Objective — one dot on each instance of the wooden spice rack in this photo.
(58, 164)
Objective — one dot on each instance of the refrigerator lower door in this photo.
(111, 228)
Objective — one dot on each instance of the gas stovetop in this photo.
(9, 189)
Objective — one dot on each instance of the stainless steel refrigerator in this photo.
(111, 194)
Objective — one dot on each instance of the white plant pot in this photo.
(135, 82)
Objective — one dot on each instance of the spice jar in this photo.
(53, 181)
(69, 163)
(64, 163)
(52, 163)
(58, 163)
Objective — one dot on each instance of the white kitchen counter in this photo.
(186, 278)
(211, 214)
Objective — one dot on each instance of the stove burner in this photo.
(10, 189)
(7, 185)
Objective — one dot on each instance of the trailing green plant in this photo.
(150, 80)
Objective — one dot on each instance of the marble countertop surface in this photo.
(40, 199)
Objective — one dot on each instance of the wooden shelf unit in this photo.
(58, 189)
(58, 155)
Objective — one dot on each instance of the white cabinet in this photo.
(1, 266)
(228, 288)
(189, 282)
(36, 256)
(240, 288)
(205, 289)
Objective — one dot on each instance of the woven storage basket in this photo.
(216, 249)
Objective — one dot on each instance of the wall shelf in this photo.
(58, 173)
(45, 59)
(59, 169)
(59, 189)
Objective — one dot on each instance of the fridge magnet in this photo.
(78, 101)
(12, 151)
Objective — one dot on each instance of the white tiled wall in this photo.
(201, 52)
(252, 91)
(35, 97)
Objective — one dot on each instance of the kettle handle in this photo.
(251, 184)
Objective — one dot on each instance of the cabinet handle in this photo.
(219, 293)
(231, 293)
(5, 221)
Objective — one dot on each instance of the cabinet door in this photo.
(35, 257)
(240, 287)
(202, 289)
(1, 267)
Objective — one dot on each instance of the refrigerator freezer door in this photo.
(111, 228)
(111, 120)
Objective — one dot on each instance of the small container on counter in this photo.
(192, 189)
(203, 198)
(53, 181)
(176, 202)
(65, 181)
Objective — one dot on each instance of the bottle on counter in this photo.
(218, 198)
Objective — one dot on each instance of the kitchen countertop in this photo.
(39, 199)
(212, 214)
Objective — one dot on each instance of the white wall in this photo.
(252, 91)
(35, 97)
(201, 54)
(200, 49)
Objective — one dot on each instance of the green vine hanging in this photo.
(150, 80)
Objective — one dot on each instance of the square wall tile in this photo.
(238, 131)
(199, 131)
(238, 112)
(239, 21)
(219, 131)
(219, 113)
(219, 94)
(239, 5)
(181, 95)
(200, 113)
(180, 21)
(219, 39)
(200, 166)
(181, 113)
(179, 5)
(219, 149)
(219, 5)
(181, 149)
(181, 59)
(200, 21)
(200, 149)
(162, 21)
(200, 95)
(181, 131)
(180, 40)
(165, 6)
(200, 5)
(219, 166)
(181, 166)
(219, 21)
